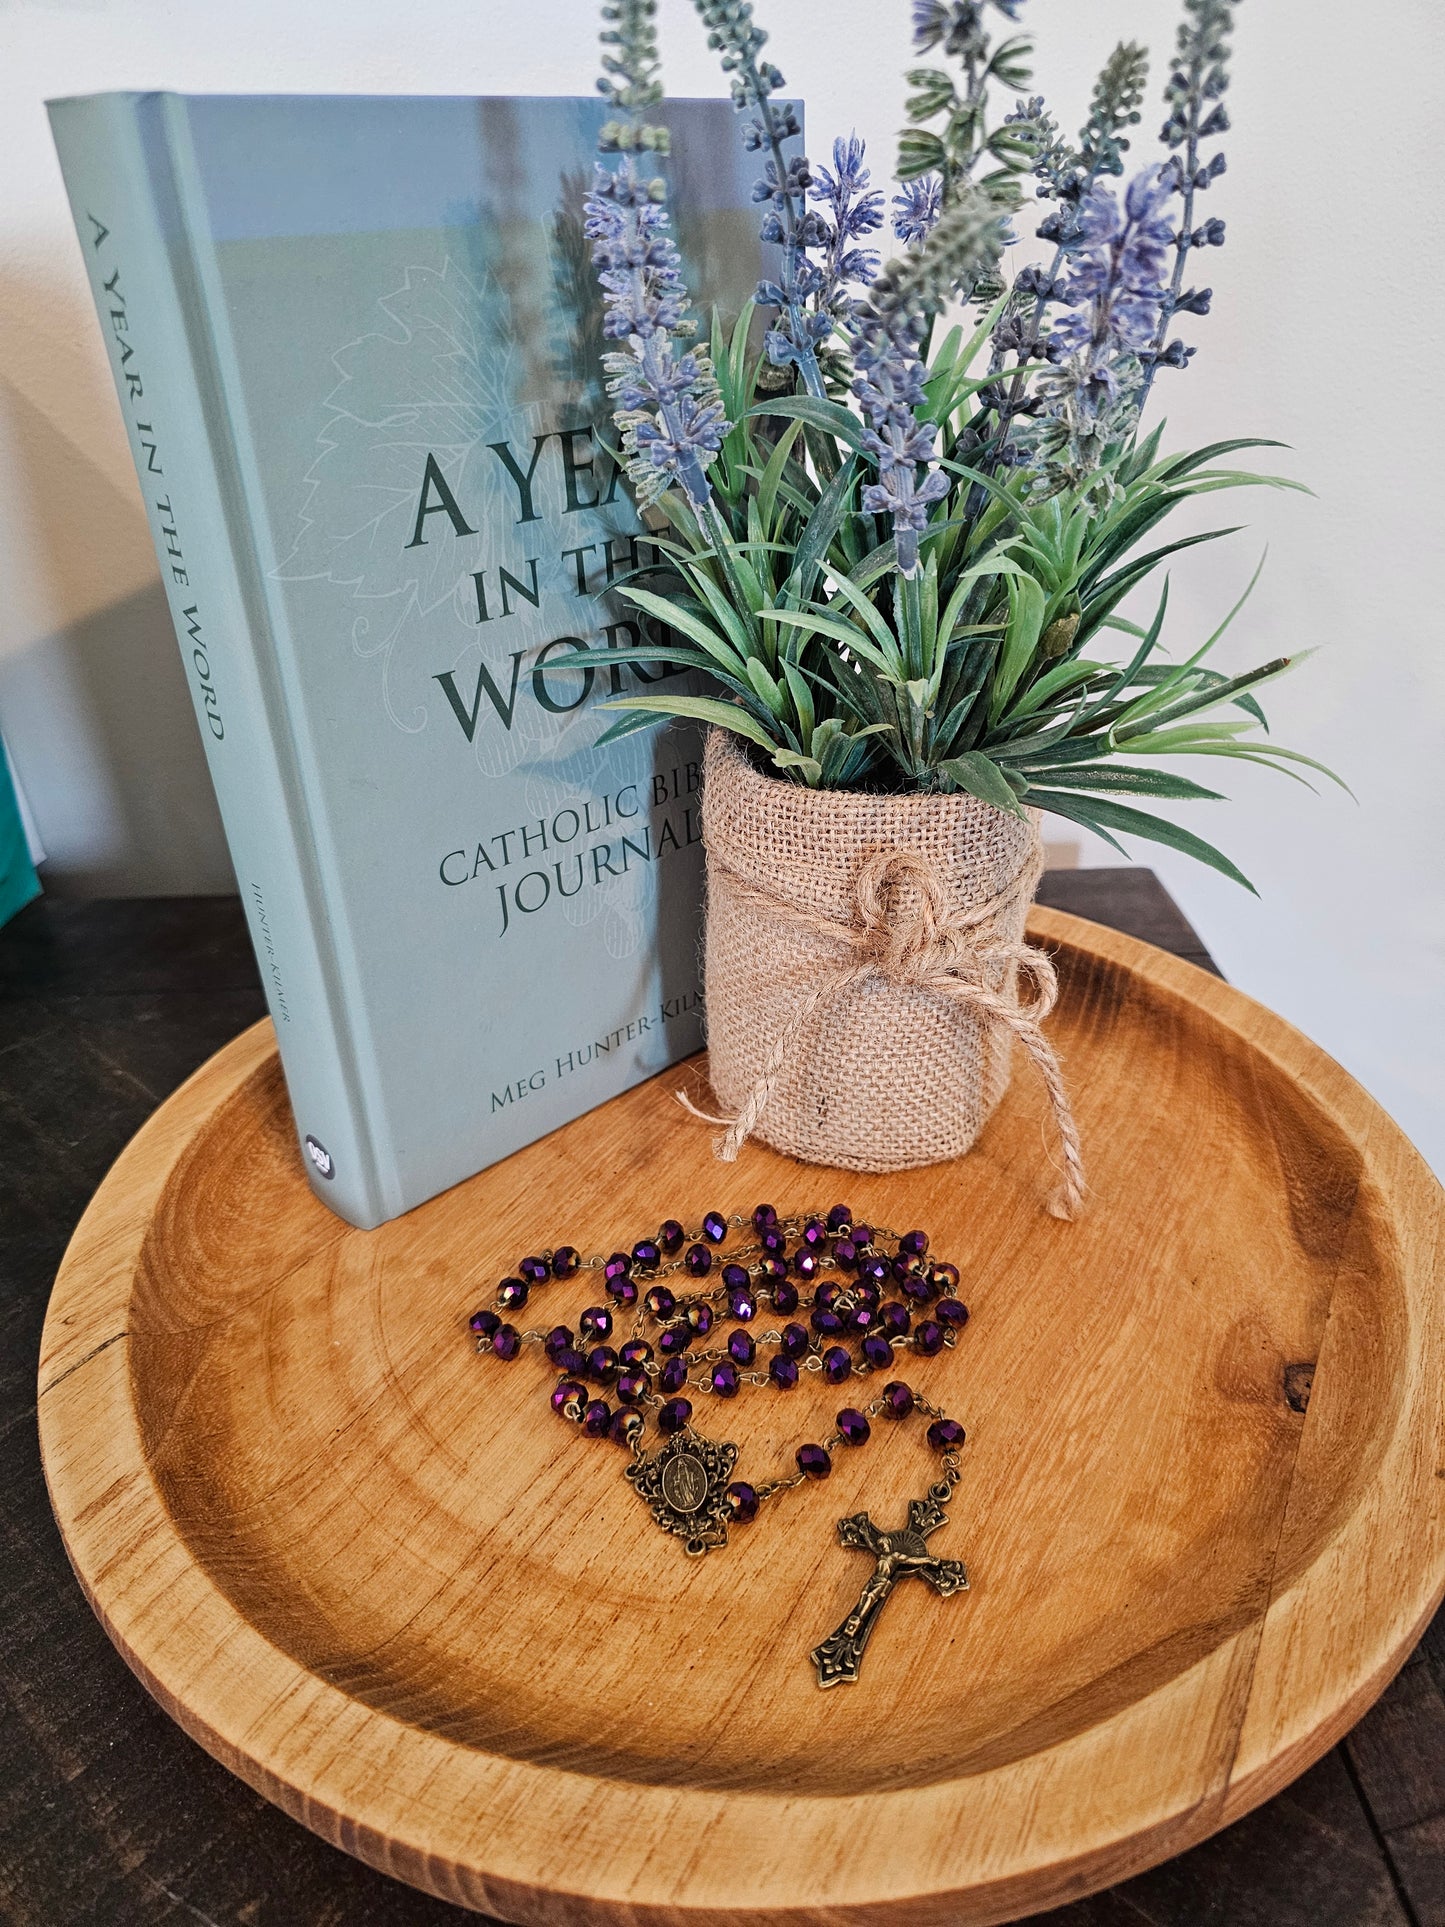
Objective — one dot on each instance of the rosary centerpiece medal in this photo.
(686, 1485)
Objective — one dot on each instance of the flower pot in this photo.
(864, 962)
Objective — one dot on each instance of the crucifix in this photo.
(898, 1554)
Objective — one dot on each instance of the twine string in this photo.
(905, 931)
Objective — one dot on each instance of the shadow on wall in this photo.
(96, 708)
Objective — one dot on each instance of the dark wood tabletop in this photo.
(109, 1814)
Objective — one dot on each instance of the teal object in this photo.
(19, 884)
(357, 348)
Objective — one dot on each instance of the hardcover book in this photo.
(356, 343)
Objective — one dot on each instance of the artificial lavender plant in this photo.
(902, 550)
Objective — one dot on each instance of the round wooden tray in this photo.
(377, 1578)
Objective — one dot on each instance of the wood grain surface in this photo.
(377, 1578)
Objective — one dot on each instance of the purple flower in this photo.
(889, 384)
(856, 209)
(918, 204)
(666, 403)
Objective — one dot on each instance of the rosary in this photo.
(845, 1269)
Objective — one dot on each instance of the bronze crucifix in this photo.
(898, 1554)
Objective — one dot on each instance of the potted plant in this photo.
(899, 551)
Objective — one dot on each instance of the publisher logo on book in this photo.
(320, 1157)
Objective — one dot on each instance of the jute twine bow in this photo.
(912, 937)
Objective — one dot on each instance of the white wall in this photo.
(1326, 333)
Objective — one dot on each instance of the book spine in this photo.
(120, 176)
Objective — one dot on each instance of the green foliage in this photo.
(1004, 668)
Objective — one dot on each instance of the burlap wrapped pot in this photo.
(867, 973)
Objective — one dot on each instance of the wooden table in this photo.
(109, 1814)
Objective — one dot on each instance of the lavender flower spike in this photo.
(667, 403)
(890, 387)
(1115, 294)
(853, 209)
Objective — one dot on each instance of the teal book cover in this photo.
(392, 330)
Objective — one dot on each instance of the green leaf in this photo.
(702, 709)
(773, 474)
(707, 639)
(919, 152)
(1102, 814)
(816, 624)
(823, 525)
(982, 777)
(1123, 776)
(831, 416)
(1027, 605)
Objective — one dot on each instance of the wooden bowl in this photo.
(375, 1576)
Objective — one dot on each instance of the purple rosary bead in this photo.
(512, 1294)
(735, 1277)
(597, 1418)
(674, 1415)
(632, 1387)
(914, 1243)
(484, 1323)
(569, 1359)
(783, 1372)
(815, 1237)
(595, 1323)
(565, 1260)
(764, 1217)
(714, 1227)
(506, 1341)
(742, 1502)
(853, 1427)
(569, 1398)
(741, 1349)
(625, 1427)
(700, 1317)
(772, 1241)
(827, 1295)
(837, 1365)
(647, 1255)
(536, 1271)
(945, 1433)
(917, 1287)
(806, 1263)
(862, 1235)
(945, 1279)
(660, 1302)
(952, 1312)
(827, 1324)
(619, 1265)
(785, 1298)
(897, 1399)
(860, 1319)
(670, 1236)
(635, 1353)
(845, 1254)
(602, 1364)
(894, 1320)
(557, 1341)
(724, 1379)
(814, 1460)
(877, 1351)
(839, 1219)
(773, 1268)
(622, 1290)
(674, 1340)
(699, 1260)
(743, 1306)
(875, 1266)
(794, 1339)
(672, 1376)
(929, 1337)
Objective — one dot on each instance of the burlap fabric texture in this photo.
(866, 966)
